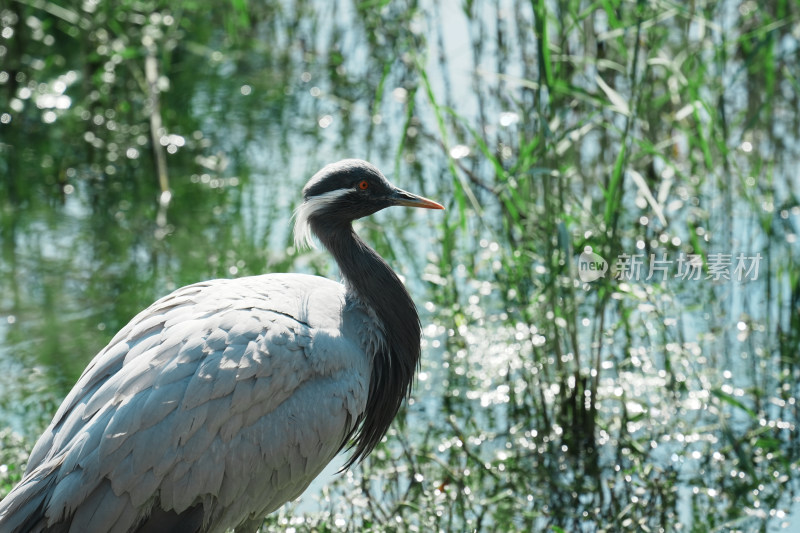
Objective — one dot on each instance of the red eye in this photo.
(363, 185)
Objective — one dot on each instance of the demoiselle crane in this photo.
(225, 399)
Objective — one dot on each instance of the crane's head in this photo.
(344, 191)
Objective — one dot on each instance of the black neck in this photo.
(377, 286)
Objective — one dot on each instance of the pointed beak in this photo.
(401, 197)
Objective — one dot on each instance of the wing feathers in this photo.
(101, 506)
(209, 397)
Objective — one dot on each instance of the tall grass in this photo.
(621, 404)
(545, 403)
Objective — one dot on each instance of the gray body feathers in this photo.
(217, 404)
(225, 399)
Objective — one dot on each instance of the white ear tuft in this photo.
(302, 228)
(304, 212)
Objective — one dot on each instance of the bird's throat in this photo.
(375, 284)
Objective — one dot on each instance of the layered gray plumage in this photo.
(223, 400)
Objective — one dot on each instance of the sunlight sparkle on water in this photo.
(508, 118)
(459, 151)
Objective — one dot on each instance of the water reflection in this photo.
(548, 130)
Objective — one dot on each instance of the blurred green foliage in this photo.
(545, 402)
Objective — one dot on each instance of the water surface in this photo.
(147, 147)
